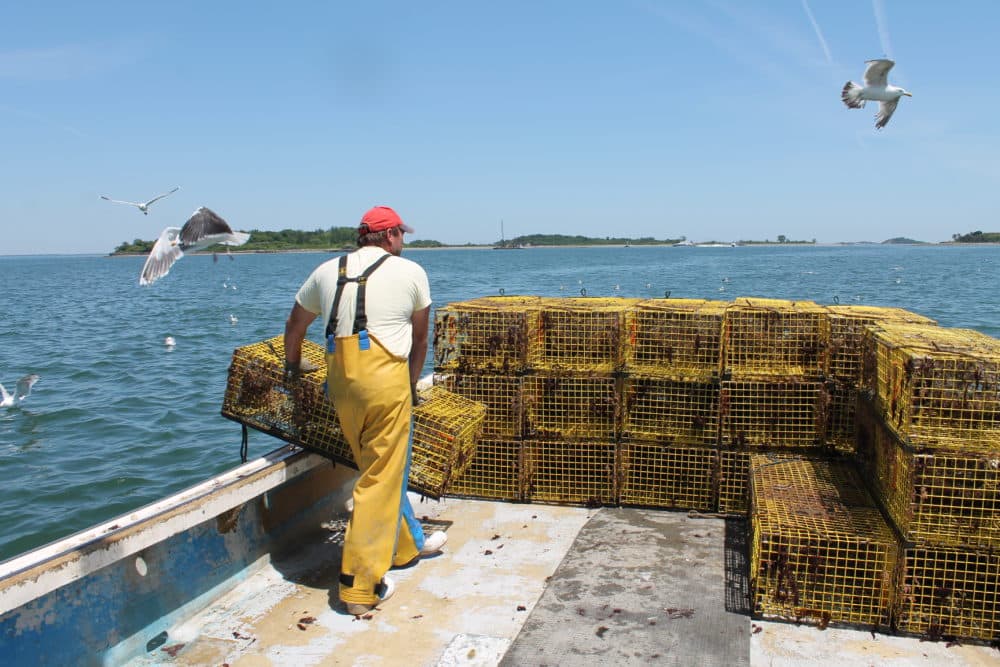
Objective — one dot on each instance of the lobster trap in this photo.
(765, 413)
(734, 477)
(671, 411)
(933, 498)
(820, 550)
(445, 426)
(764, 337)
(937, 387)
(653, 475)
(949, 593)
(579, 473)
(300, 413)
(579, 335)
(494, 474)
(674, 337)
(501, 394)
(841, 401)
(847, 330)
(572, 406)
(488, 334)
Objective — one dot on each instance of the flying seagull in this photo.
(203, 229)
(143, 206)
(20, 392)
(877, 89)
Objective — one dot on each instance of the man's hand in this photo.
(417, 400)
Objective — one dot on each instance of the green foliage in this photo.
(977, 237)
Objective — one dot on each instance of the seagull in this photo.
(203, 229)
(143, 206)
(169, 341)
(876, 88)
(233, 319)
(21, 392)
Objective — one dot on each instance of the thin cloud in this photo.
(64, 62)
(883, 27)
(819, 33)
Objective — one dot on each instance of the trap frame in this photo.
(775, 337)
(674, 337)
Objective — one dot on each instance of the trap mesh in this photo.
(775, 337)
(674, 337)
(937, 387)
(445, 426)
(579, 334)
(494, 472)
(841, 406)
(671, 411)
(652, 475)
(569, 472)
(501, 394)
(487, 334)
(947, 592)
(939, 499)
(763, 413)
(572, 406)
(847, 330)
(300, 413)
(734, 477)
(820, 550)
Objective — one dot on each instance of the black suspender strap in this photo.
(360, 317)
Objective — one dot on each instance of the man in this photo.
(377, 308)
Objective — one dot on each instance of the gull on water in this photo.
(203, 229)
(142, 206)
(21, 391)
(169, 341)
(233, 319)
(876, 89)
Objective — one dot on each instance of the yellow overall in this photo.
(370, 389)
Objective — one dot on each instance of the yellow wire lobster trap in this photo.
(494, 474)
(445, 426)
(937, 387)
(820, 551)
(486, 334)
(847, 330)
(671, 411)
(775, 337)
(579, 473)
(948, 593)
(300, 413)
(654, 475)
(734, 476)
(769, 413)
(940, 498)
(581, 334)
(572, 406)
(841, 402)
(674, 337)
(501, 394)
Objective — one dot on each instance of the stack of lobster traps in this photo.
(929, 445)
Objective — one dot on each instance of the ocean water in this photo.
(118, 420)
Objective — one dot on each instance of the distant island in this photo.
(336, 239)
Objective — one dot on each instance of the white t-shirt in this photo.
(395, 291)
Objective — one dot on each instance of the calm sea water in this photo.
(118, 420)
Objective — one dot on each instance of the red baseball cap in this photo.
(381, 217)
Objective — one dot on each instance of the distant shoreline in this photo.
(335, 251)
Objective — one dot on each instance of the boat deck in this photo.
(521, 584)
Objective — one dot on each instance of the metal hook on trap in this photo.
(666, 294)
(501, 291)
(836, 299)
(583, 291)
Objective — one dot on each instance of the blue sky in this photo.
(713, 120)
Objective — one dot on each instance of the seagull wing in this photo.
(5, 398)
(119, 201)
(877, 72)
(165, 252)
(885, 111)
(205, 228)
(24, 386)
(159, 197)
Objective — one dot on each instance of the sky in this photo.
(710, 120)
